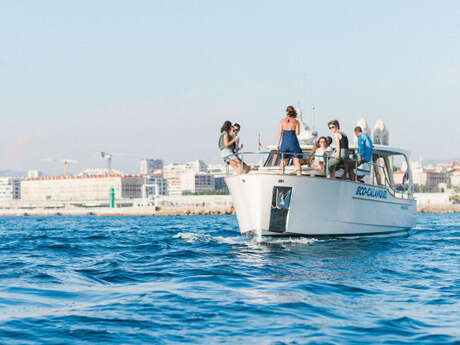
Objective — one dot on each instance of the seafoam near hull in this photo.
(318, 206)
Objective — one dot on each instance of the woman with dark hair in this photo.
(227, 141)
(287, 137)
(238, 147)
(322, 150)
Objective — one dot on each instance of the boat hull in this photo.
(316, 206)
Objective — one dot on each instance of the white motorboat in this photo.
(268, 201)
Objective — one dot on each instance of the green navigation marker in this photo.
(112, 197)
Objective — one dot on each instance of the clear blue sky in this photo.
(158, 78)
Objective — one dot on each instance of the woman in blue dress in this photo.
(287, 137)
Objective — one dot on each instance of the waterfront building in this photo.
(380, 133)
(174, 185)
(217, 168)
(173, 172)
(34, 174)
(196, 182)
(220, 183)
(149, 166)
(10, 188)
(455, 177)
(418, 174)
(436, 177)
(154, 186)
(176, 169)
(100, 172)
(81, 188)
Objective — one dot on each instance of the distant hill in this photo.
(13, 173)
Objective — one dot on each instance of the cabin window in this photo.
(273, 159)
(400, 175)
(380, 170)
(390, 170)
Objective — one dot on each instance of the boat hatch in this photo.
(280, 208)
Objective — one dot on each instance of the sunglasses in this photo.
(331, 127)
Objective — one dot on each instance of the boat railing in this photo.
(269, 161)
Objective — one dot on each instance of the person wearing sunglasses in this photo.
(342, 153)
(321, 151)
(236, 128)
(227, 141)
(238, 147)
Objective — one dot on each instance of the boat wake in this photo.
(285, 240)
(192, 237)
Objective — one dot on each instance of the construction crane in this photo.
(108, 157)
(63, 161)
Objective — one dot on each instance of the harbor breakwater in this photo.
(435, 203)
(122, 211)
(162, 206)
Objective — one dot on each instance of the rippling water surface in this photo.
(162, 280)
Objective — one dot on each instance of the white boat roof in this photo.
(390, 149)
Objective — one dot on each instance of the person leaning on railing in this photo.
(365, 148)
(227, 142)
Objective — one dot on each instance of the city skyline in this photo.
(138, 170)
(157, 79)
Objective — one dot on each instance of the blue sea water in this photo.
(194, 279)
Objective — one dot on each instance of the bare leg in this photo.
(348, 170)
(351, 172)
(345, 170)
(236, 165)
(332, 166)
(298, 168)
(283, 163)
